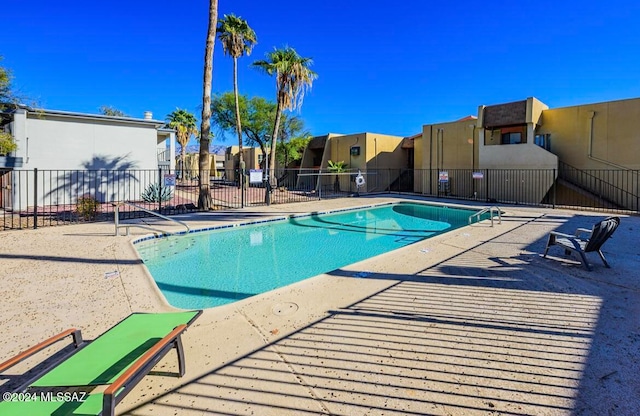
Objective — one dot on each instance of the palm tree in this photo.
(237, 39)
(185, 124)
(293, 78)
(204, 189)
(337, 167)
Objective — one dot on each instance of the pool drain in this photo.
(285, 308)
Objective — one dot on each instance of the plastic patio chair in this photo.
(117, 359)
(598, 235)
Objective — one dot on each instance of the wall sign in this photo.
(169, 179)
(255, 175)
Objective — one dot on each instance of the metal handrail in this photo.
(146, 227)
(563, 166)
(490, 210)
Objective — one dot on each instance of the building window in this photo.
(511, 138)
(543, 141)
(513, 135)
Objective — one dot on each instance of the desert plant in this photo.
(87, 207)
(154, 193)
(337, 167)
(7, 144)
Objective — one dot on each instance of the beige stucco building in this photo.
(590, 150)
(252, 157)
(382, 159)
(59, 144)
(518, 152)
(461, 158)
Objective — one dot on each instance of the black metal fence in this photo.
(36, 198)
(567, 187)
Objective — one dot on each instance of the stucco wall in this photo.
(418, 160)
(55, 143)
(615, 138)
(449, 145)
(386, 158)
(516, 156)
(602, 139)
(58, 145)
(379, 153)
(446, 146)
(232, 158)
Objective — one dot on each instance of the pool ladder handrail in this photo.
(490, 210)
(146, 227)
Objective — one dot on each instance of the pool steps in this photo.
(485, 210)
(146, 227)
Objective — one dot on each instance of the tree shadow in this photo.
(103, 178)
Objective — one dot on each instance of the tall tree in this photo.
(258, 116)
(185, 125)
(293, 78)
(10, 97)
(237, 39)
(291, 151)
(7, 99)
(204, 188)
(107, 110)
(7, 95)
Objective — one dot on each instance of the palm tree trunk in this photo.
(274, 140)
(183, 158)
(238, 123)
(204, 192)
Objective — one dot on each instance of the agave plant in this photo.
(154, 193)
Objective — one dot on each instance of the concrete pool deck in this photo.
(474, 321)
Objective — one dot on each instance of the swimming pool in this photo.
(219, 266)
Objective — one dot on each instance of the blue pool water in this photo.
(215, 267)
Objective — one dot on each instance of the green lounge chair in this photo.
(118, 359)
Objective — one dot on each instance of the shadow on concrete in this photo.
(69, 259)
(496, 329)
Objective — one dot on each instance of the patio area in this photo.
(470, 322)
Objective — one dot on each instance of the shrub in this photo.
(7, 144)
(87, 207)
(337, 167)
(154, 194)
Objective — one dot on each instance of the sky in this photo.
(383, 67)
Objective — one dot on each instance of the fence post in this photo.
(555, 187)
(159, 189)
(35, 198)
(486, 185)
(242, 169)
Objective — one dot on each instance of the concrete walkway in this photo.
(474, 321)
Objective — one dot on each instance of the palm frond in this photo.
(236, 36)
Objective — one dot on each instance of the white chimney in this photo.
(148, 115)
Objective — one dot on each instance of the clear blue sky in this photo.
(385, 67)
